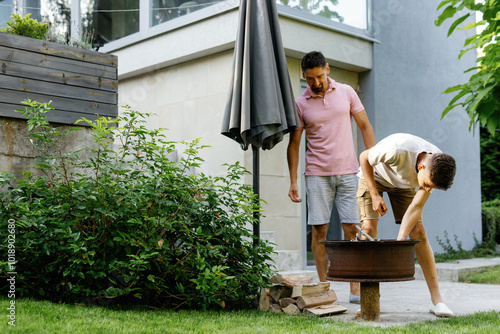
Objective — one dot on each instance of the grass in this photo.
(45, 317)
(486, 276)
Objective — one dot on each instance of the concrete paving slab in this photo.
(406, 302)
(409, 301)
(454, 271)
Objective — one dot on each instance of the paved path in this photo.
(405, 302)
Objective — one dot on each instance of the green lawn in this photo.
(486, 276)
(44, 317)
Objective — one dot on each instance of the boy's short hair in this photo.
(313, 59)
(442, 170)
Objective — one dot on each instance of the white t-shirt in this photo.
(394, 160)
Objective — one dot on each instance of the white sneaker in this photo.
(441, 310)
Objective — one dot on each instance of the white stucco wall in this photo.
(185, 82)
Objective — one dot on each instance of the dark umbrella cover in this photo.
(261, 106)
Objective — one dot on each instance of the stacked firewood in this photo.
(299, 295)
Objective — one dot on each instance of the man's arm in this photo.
(413, 213)
(361, 119)
(378, 202)
(292, 155)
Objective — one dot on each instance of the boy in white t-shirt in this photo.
(398, 165)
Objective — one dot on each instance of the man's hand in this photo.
(378, 205)
(293, 193)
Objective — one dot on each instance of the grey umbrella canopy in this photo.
(261, 107)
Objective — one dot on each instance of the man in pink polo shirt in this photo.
(325, 111)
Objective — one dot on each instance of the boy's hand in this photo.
(378, 205)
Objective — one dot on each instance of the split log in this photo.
(284, 302)
(275, 308)
(306, 289)
(279, 291)
(290, 281)
(291, 309)
(316, 299)
(264, 300)
(324, 310)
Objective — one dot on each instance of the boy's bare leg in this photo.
(370, 226)
(319, 233)
(425, 257)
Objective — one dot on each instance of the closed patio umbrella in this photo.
(261, 107)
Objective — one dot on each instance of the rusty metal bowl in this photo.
(371, 261)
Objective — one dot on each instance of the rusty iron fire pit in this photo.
(370, 262)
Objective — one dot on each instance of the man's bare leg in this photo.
(319, 233)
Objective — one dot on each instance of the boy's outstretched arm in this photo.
(413, 213)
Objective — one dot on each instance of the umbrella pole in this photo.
(256, 190)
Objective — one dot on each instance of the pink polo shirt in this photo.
(327, 121)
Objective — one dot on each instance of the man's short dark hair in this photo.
(442, 170)
(313, 59)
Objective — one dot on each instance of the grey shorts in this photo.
(323, 191)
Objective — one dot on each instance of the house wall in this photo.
(413, 63)
(187, 85)
(183, 76)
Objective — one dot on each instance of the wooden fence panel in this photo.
(81, 83)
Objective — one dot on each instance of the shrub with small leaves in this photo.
(26, 26)
(131, 224)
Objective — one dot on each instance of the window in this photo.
(5, 12)
(165, 10)
(109, 20)
(350, 12)
(103, 21)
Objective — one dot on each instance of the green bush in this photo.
(26, 26)
(491, 221)
(490, 165)
(129, 225)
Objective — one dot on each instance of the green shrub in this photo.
(482, 249)
(490, 165)
(491, 221)
(26, 26)
(130, 225)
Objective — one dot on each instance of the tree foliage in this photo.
(481, 95)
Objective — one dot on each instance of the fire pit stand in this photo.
(370, 262)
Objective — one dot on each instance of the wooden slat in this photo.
(55, 49)
(59, 77)
(325, 310)
(29, 85)
(81, 83)
(15, 97)
(62, 64)
(61, 116)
